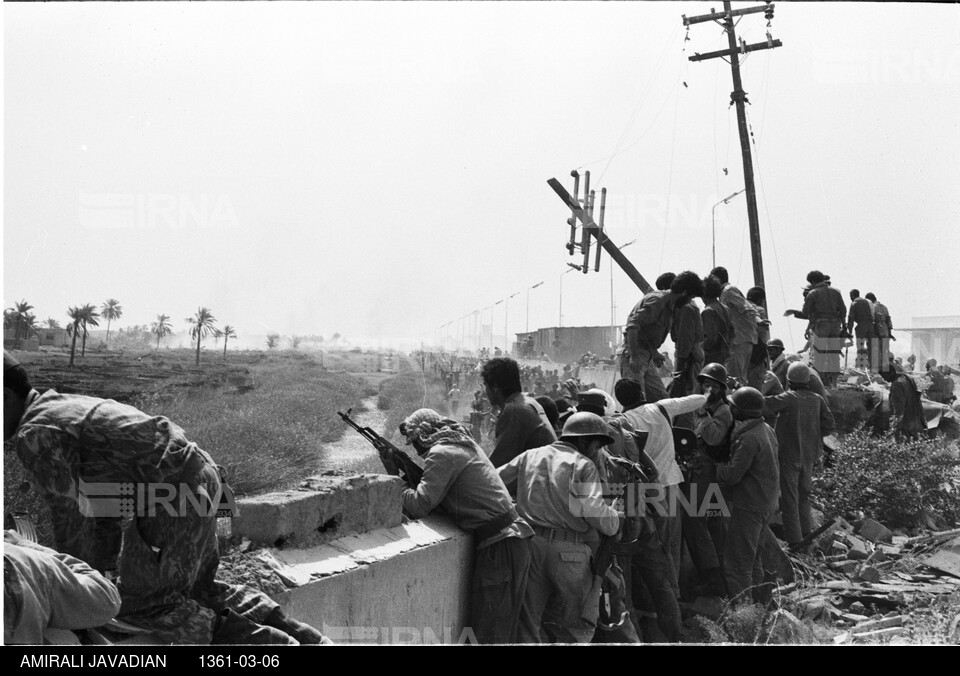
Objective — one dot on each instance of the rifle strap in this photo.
(665, 414)
(495, 525)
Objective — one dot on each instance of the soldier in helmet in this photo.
(704, 535)
(778, 360)
(751, 480)
(804, 418)
(558, 492)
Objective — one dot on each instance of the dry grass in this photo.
(268, 433)
(272, 435)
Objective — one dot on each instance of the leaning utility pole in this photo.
(590, 227)
(739, 97)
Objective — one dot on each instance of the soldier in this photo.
(458, 476)
(860, 325)
(745, 320)
(778, 361)
(168, 563)
(752, 482)
(825, 309)
(46, 594)
(522, 423)
(558, 491)
(657, 564)
(718, 331)
(883, 332)
(647, 327)
(704, 533)
(804, 419)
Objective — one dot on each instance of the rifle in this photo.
(613, 615)
(395, 461)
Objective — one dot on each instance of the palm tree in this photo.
(217, 334)
(161, 327)
(88, 317)
(53, 323)
(110, 310)
(228, 332)
(202, 326)
(77, 316)
(22, 320)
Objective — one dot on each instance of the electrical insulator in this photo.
(768, 14)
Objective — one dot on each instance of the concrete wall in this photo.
(408, 584)
(354, 571)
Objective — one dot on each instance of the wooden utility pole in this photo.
(591, 227)
(739, 98)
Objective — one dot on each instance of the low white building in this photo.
(935, 338)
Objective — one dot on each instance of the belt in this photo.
(560, 534)
(495, 525)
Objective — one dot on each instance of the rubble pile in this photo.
(852, 583)
(867, 583)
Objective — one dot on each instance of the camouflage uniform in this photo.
(168, 561)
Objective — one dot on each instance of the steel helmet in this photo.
(715, 372)
(747, 399)
(775, 342)
(583, 424)
(799, 373)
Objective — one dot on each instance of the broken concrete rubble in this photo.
(867, 589)
(874, 531)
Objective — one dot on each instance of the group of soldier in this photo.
(703, 464)
(580, 519)
(580, 516)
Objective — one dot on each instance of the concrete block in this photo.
(321, 510)
(859, 550)
(407, 584)
(874, 531)
(869, 574)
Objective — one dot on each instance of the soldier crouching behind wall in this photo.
(169, 557)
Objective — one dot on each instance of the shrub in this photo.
(893, 482)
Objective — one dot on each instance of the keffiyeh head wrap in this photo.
(429, 428)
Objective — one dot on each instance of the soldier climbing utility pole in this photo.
(739, 97)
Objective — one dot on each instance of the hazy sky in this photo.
(379, 169)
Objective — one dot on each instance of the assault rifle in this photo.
(395, 461)
(612, 616)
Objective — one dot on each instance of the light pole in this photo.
(713, 227)
(528, 303)
(572, 268)
(506, 321)
(478, 321)
(491, 323)
(489, 307)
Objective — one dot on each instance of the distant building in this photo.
(32, 338)
(566, 344)
(935, 338)
(53, 337)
